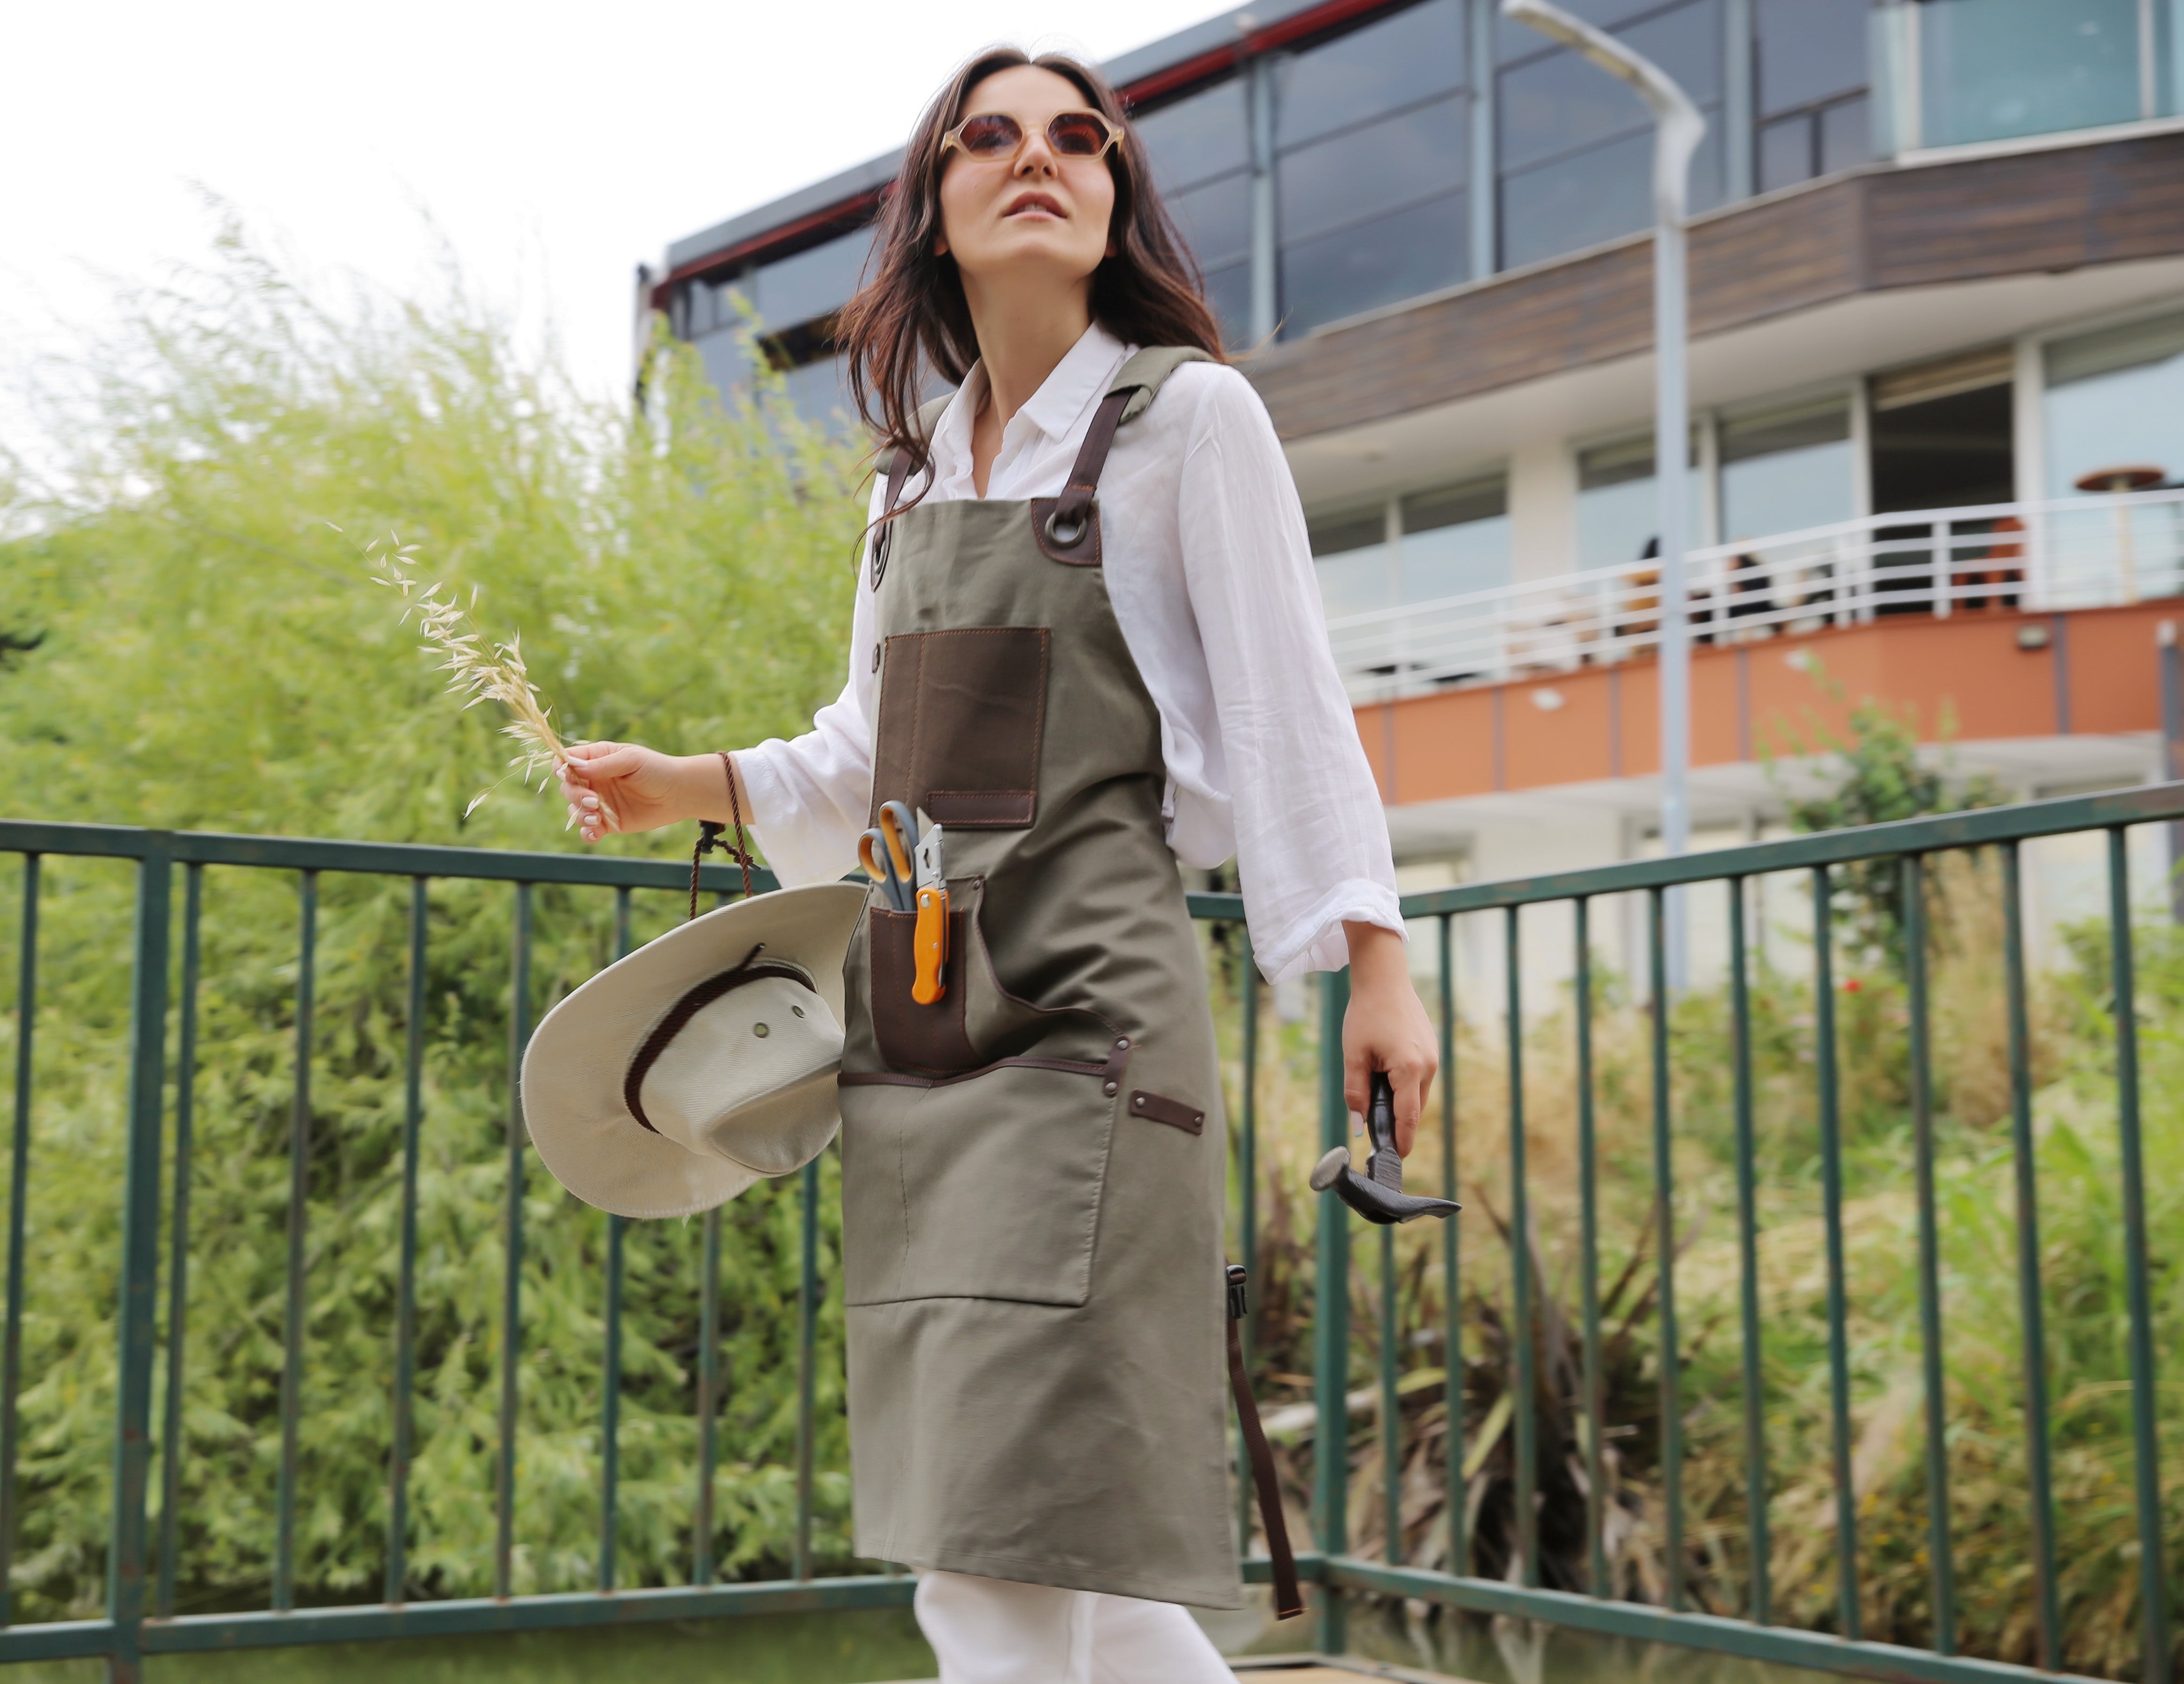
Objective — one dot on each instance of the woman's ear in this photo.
(940, 245)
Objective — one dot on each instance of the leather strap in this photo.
(1288, 1599)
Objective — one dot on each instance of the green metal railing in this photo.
(140, 1620)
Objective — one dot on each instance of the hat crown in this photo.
(714, 1088)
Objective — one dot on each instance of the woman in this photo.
(1087, 644)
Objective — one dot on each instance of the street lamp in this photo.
(1678, 128)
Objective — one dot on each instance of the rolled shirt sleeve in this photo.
(810, 794)
(1311, 837)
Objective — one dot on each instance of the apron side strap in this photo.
(1288, 1599)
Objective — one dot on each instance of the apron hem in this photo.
(1026, 1571)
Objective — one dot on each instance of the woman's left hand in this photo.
(1386, 1029)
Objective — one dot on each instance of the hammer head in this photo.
(1379, 1198)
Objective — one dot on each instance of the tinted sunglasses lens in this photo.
(991, 136)
(1076, 134)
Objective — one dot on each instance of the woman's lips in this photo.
(1035, 204)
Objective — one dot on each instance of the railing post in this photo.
(1942, 560)
(1330, 1380)
(140, 1259)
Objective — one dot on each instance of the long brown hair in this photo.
(912, 317)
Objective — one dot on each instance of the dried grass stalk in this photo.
(478, 668)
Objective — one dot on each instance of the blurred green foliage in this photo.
(193, 642)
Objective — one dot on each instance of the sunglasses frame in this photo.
(953, 140)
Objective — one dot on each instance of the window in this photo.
(2115, 399)
(813, 283)
(1786, 469)
(1616, 514)
(1811, 71)
(1577, 145)
(1201, 153)
(1992, 69)
(1455, 541)
(1372, 147)
(1350, 554)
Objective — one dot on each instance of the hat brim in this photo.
(574, 1068)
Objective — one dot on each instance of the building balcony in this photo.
(2022, 636)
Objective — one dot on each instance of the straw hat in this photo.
(677, 1077)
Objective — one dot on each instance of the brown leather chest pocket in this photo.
(961, 717)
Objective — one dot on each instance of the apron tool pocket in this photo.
(961, 717)
(930, 1040)
(985, 1187)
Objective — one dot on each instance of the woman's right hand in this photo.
(627, 787)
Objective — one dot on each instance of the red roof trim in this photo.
(1314, 20)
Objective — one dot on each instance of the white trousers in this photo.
(994, 1631)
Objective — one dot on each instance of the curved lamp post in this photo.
(1678, 128)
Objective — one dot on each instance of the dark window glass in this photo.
(1216, 218)
(1401, 59)
(1846, 139)
(1195, 139)
(1553, 104)
(1372, 169)
(1785, 152)
(1228, 291)
(1338, 534)
(1397, 257)
(1514, 41)
(1810, 50)
(1616, 464)
(1457, 504)
(1597, 195)
(1825, 422)
(812, 283)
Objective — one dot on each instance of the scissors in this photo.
(888, 854)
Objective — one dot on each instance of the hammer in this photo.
(1380, 1198)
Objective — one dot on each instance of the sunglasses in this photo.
(992, 136)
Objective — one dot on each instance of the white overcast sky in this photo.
(554, 143)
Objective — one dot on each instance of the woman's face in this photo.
(1037, 214)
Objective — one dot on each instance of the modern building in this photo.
(1937, 375)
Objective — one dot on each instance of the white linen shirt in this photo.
(1211, 576)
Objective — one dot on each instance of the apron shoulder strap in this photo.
(897, 469)
(1067, 528)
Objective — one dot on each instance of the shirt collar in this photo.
(1078, 381)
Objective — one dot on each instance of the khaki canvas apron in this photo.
(1032, 1168)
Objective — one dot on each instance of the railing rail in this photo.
(2082, 552)
(136, 1624)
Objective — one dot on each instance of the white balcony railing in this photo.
(2080, 552)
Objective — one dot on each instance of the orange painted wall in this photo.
(1965, 677)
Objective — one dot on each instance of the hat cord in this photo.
(709, 838)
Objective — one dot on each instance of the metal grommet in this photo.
(760, 1030)
(1109, 1089)
(1068, 537)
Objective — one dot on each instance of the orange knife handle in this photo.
(930, 945)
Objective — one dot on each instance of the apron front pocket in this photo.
(961, 717)
(984, 1187)
(929, 1039)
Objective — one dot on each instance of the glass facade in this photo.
(1576, 145)
(1372, 166)
(1786, 469)
(1809, 85)
(1201, 153)
(2115, 399)
(1447, 542)
(1615, 507)
(1350, 551)
(1390, 151)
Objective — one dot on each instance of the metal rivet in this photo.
(760, 1030)
(1109, 1089)
(1139, 1101)
(1124, 1042)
